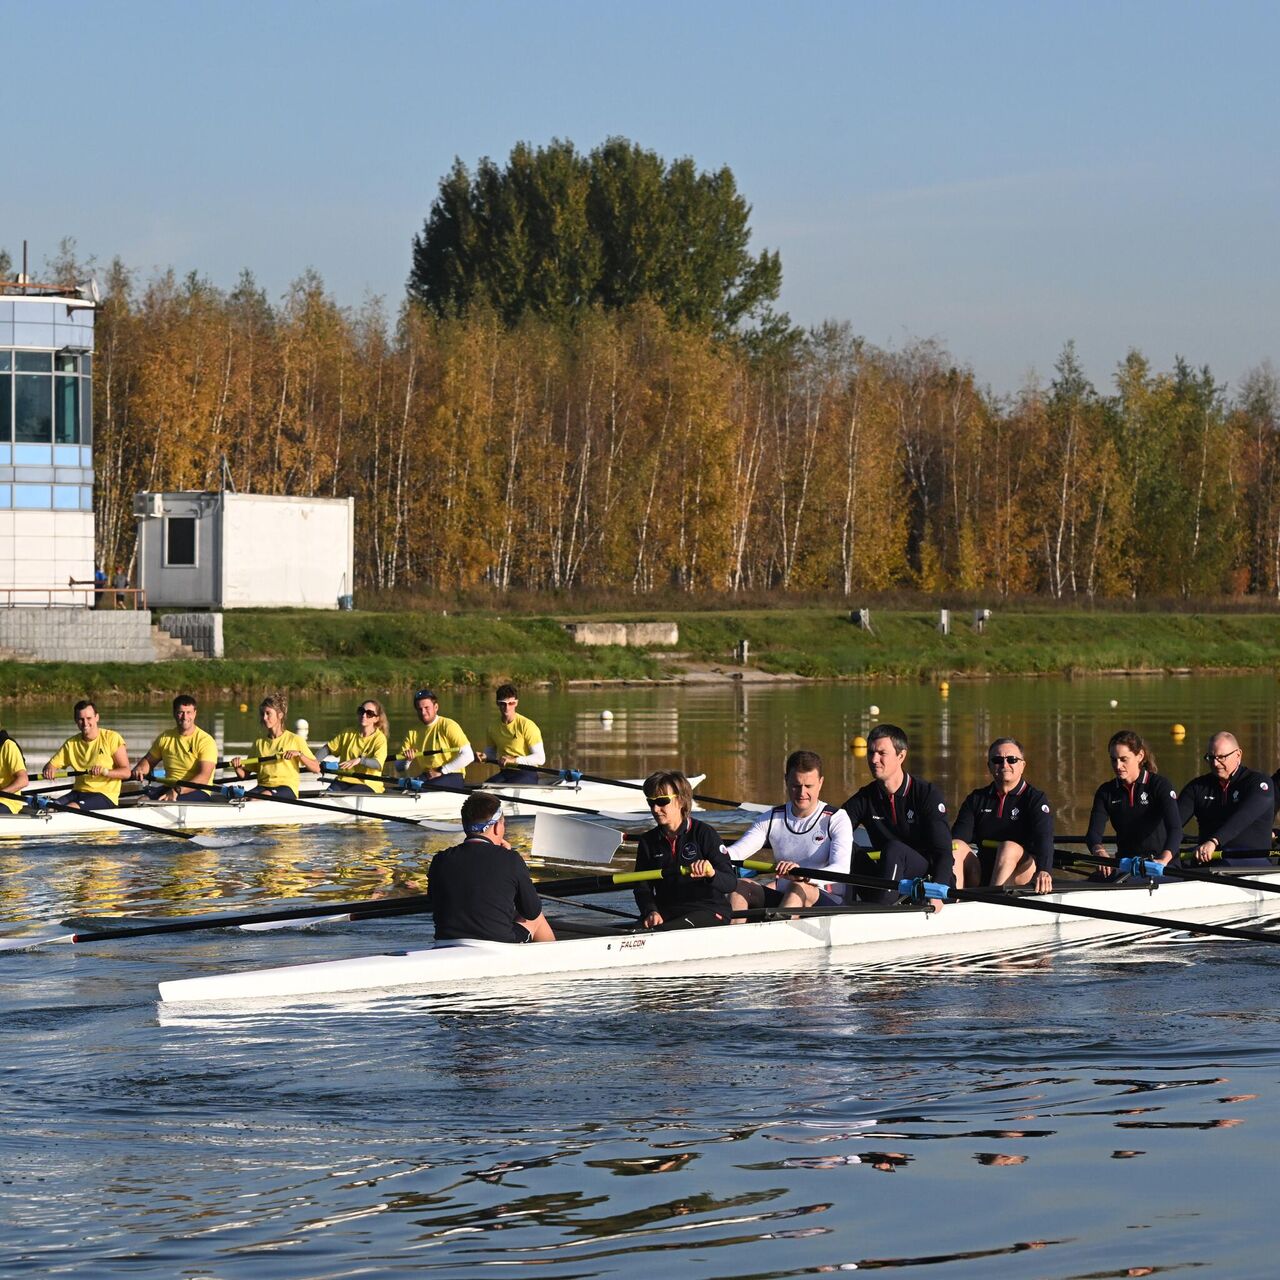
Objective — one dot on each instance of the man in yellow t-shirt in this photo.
(187, 754)
(13, 773)
(514, 741)
(97, 755)
(438, 750)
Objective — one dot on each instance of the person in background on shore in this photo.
(362, 750)
(1232, 804)
(697, 875)
(515, 743)
(120, 581)
(97, 755)
(805, 836)
(481, 887)
(1140, 804)
(281, 754)
(905, 818)
(186, 752)
(1003, 833)
(13, 773)
(438, 751)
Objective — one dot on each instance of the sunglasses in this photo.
(366, 711)
(1004, 760)
(506, 702)
(660, 801)
(1210, 758)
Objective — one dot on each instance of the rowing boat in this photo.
(875, 931)
(424, 806)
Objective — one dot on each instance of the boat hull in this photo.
(894, 931)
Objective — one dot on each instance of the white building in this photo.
(199, 550)
(46, 444)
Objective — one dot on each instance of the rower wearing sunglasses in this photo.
(1232, 804)
(438, 750)
(697, 874)
(362, 750)
(1003, 833)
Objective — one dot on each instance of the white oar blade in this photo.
(558, 838)
(34, 940)
(262, 926)
(446, 828)
(222, 842)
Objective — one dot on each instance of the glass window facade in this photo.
(45, 397)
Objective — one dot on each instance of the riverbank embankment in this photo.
(328, 652)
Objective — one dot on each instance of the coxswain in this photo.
(13, 773)
(905, 818)
(97, 756)
(437, 751)
(697, 875)
(1140, 804)
(281, 754)
(515, 743)
(805, 834)
(1232, 805)
(481, 888)
(361, 751)
(187, 754)
(1003, 833)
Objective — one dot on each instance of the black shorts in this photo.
(695, 918)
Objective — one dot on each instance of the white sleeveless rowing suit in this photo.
(823, 839)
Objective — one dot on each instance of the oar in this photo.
(996, 897)
(207, 842)
(1150, 867)
(365, 909)
(225, 789)
(576, 775)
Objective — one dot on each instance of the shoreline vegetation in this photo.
(323, 652)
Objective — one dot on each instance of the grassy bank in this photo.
(313, 652)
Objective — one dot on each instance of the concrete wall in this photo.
(202, 631)
(635, 634)
(77, 635)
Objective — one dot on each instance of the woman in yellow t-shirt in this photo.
(97, 756)
(13, 773)
(362, 750)
(282, 755)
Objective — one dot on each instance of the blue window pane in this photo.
(6, 497)
(32, 455)
(66, 455)
(86, 409)
(33, 408)
(63, 362)
(6, 455)
(86, 497)
(86, 457)
(6, 406)
(66, 497)
(33, 497)
(66, 403)
(6, 359)
(34, 361)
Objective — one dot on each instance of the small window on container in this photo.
(180, 541)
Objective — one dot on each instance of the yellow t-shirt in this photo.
(279, 772)
(351, 746)
(436, 744)
(79, 755)
(515, 739)
(180, 757)
(11, 764)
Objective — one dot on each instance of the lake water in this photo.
(1103, 1110)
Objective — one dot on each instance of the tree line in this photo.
(631, 451)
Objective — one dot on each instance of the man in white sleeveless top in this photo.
(804, 834)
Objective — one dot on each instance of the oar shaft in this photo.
(1175, 871)
(219, 789)
(100, 815)
(619, 782)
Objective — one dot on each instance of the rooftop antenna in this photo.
(228, 484)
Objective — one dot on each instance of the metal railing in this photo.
(83, 593)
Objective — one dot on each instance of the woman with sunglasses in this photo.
(281, 754)
(1140, 804)
(362, 750)
(697, 874)
(1003, 833)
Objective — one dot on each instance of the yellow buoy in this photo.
(1178, 730)
(945, 687)
(244, 706)
(858, 743)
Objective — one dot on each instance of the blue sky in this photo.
(1003, 177)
